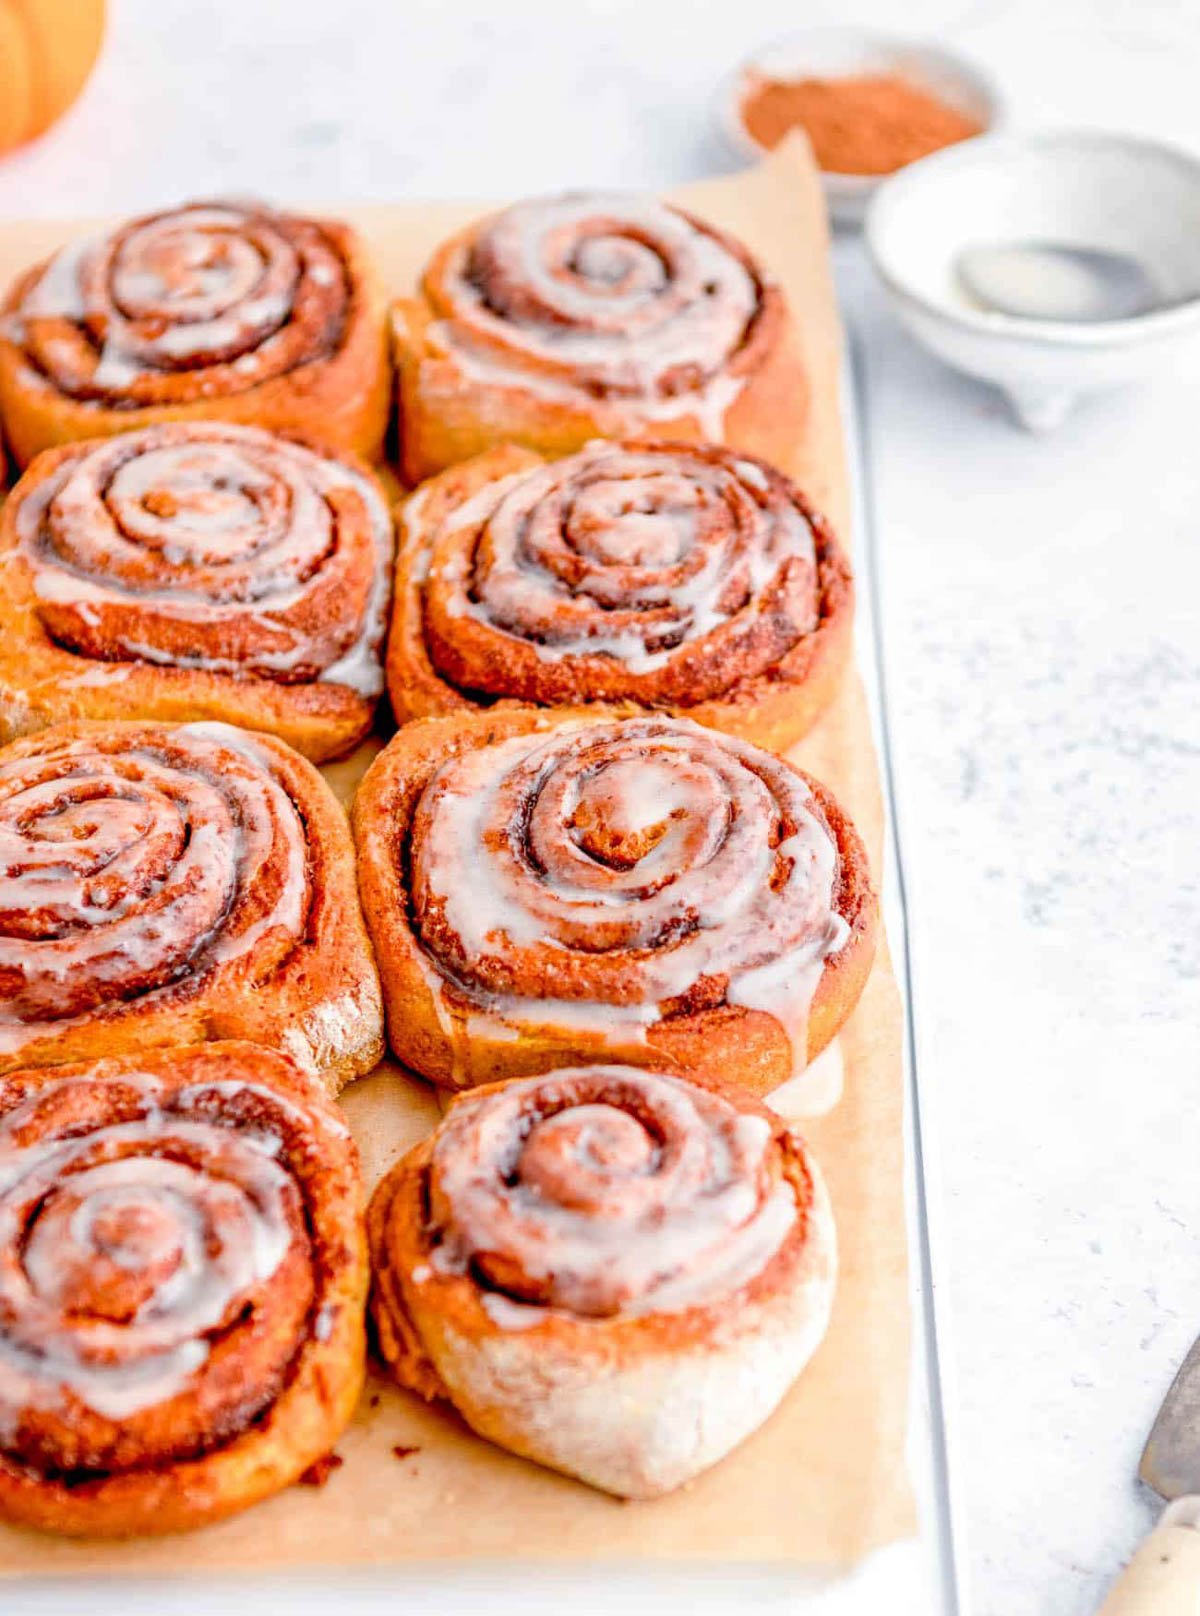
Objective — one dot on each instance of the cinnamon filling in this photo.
(612, 295)
(661, 574)
(606, 1190)
(213, 547)
(611, 874)
(128, 864)
(204, 301)
(157, 1272)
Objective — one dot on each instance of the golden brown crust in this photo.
(461, 1036)
(205, 891)
(268, 615)
(329, 369)
(454, 407)
(200, 1407)
(401, 1238)
(458, 1323)
(774, 614)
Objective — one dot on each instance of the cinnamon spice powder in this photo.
(870, 123)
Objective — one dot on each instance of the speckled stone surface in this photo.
(1043, 637)
(1044, 646)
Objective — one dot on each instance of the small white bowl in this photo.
(1077, 188)
(841, 52)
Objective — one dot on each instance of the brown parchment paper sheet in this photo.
(824, 1481)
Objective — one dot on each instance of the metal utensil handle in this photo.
(1163, 1578)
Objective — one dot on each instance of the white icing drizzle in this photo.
(215, 547)
(361, 668)
(814, 1091)
(195, 1246)
(614, 868)
(217, 290)
(56, 293)
(601, 296)
(97, 676)
(510, 1315)
(708, 405)
(125, 863)
(233, 1088)
(469, 514)
(507, 1018)
(604, 1190)
(627, 552)
(750, 471)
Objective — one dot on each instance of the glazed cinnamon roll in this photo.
(684, 578)
(173, 884)
(614, 1272)
(222, 310)
(182, 1284)
(200, 571)
(584, 316)
(579, 887)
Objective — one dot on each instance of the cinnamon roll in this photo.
(199, 571)
(183, 1276)
(684, 578)
(592, 315)
(614, 1272)
(546, 889)
(222, 310)
(173, 884)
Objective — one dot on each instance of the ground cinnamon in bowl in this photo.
(869, 123)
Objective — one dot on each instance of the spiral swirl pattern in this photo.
(159, 1267)
(204, 301)
(617, 296)
(132, 860)
(210, 546)
(651, 572)
(641, 866)
(606, 1190)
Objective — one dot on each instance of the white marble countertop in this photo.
(1042, 631)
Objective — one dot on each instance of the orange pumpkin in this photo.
(47, 50)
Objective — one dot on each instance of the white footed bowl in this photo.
(1085, 189)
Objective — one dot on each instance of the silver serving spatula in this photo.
(1163, 1578)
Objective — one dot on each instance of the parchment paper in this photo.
(824, 1481)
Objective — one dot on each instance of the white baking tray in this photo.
(917, 1578)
